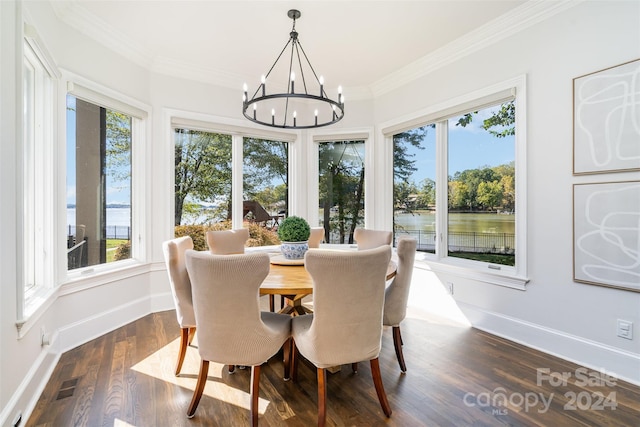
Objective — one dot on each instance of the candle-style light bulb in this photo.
(321, 80)
(339, 94)
(244, 96)
(255, 107)
(293, 80)
(273, 116)
(294, 117)
(315, 113)
(263, 80)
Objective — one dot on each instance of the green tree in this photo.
(500, 124)
(202, 169)
(342, 187)
(265, 168)
(404, 161)
(472, 178)
(426, 193)
(490, 194)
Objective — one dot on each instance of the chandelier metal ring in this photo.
(281, 109)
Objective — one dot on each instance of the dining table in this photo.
(291, 280)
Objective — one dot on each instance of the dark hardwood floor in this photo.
(457, 376)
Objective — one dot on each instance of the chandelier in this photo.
(309, 107)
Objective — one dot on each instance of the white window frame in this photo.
(35, 212)
(140, 113)
(206, 123)
(313, 171)
(513, 277)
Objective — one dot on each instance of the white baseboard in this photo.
(590, 354)
(68, 337)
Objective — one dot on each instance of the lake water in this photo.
(120, 217)
(459, 222)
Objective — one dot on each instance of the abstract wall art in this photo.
(606, 232)
(606, 120)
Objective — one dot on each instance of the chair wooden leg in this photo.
(322, 396)
(397, 343)
(286, 356)
(354, 367)
(184, 340)
(255, 391)
(271, 303)
(192, 333)
(197, 393)
(293, 366)
(282, 303)
(377, 382)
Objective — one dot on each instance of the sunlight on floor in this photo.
(429, 300)
(119, 423)
(161, 365)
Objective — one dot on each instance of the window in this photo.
(202, 177)
(341, 188)
(102, 136)
(456, 171)
(265, 183)
(38, 130)
(227, 177)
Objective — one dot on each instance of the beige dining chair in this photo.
(231, 328)
(367, 238)
(348, 328)
(174, 257)
(225, 242)
(316, 237)
(397, 294)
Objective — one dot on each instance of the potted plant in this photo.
(293, 233)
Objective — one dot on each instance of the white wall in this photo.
(555, 314)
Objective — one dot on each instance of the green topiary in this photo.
(294, 229)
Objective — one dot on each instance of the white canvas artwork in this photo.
(607, 234)
(606, 132)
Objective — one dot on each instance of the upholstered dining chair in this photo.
(346, 329)
(231, 328)
(367, 238)
(316, 237)
(174, 257)
(397, 294)
(225, 242)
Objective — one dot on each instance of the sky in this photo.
(470, 147)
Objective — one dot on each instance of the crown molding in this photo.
(519, 19)
(77, 17)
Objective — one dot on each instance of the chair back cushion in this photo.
(225, 242)
(369, 239)
(174, 258)
(397, 294)
(348, 294)
(316, 236)
(227, 308)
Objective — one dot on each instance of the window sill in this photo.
(90, 277)
(505, 279)
(36, 303)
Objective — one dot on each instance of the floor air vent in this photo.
(67, 388)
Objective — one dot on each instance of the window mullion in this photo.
(441, 188)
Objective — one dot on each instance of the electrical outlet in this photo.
(449, 286)
(625, 329)
(45, 339)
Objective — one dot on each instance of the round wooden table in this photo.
(294, 283)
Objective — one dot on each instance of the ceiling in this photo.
(361, 45)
